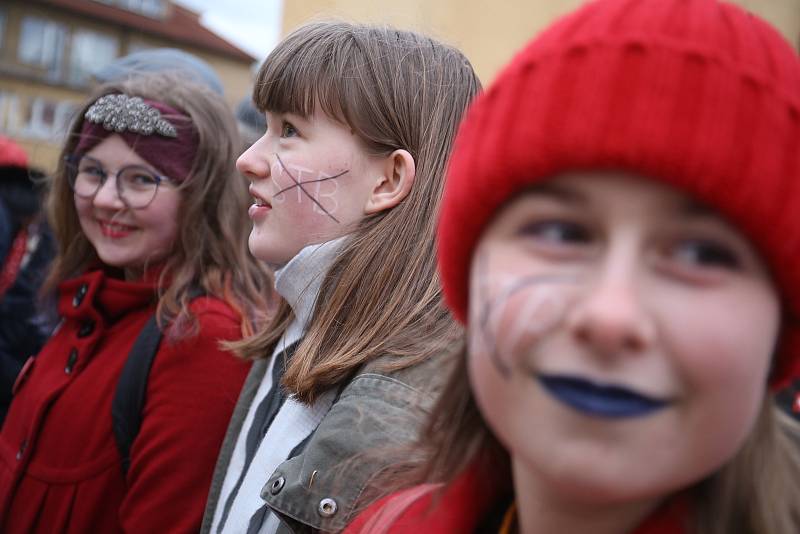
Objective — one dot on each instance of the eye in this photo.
(288, 129)
(144, 179)
(557, 232)
(136, 177)
(91, 169)
(705, 254)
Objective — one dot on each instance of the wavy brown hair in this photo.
(210, 252)
(396, 90)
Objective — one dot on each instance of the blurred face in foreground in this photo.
(620, 338)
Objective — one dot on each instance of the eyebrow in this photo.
(558, 192)
(694, 208)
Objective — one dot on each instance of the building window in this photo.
(35, 118)
(2, 26)
(41, 44)
(151, 8)
(90, 51)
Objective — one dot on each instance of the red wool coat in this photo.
(60, 470)
(461, 507)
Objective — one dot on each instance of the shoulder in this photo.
(459, 506)
(415, 385)
(398, 513)
(211, 311)
(216, 320)
(203, 346)
(370, 424)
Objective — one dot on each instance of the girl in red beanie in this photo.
(146, 206)
(619, 234)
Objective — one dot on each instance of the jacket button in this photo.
(73, 357)
(327, 507)
(22, 448)
(86, 329)
(275, 486)
(78, 298)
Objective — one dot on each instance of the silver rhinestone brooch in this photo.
(119, 113)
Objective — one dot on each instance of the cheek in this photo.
(160, 222)
(307, 192)
(720, 339)
(512, 310)
(722, 347)
(83, 206)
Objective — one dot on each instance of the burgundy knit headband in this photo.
(158, 133)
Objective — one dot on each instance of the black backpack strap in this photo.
(126, 408)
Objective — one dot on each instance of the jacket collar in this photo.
(111, 297)
(299, 282)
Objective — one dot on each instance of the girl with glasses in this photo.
(148, 211)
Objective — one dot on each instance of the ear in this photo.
(394, 184)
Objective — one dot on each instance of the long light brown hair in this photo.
(757, 492)
(210, 252)
(395, 90)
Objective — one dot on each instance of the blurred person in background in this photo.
(26, 249)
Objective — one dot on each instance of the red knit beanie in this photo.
(11, 154)
(698, 94)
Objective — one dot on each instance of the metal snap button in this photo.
(86, 329)
(79, 295)
(73, 357)
(277, 485)
(327, 507)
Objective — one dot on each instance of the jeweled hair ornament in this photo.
(169, 145)
(121, 113)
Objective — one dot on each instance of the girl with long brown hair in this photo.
(346, 185)
(619, 233)
(147, 209)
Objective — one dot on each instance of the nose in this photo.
(108, 195)
(254, 163)
(611, 318)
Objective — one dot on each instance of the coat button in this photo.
(327, 507)
(86, 329)
(78, 298)
(73, 357)
(274, 487)
(22, 448)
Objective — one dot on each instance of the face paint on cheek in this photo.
(513, 312)
(327, 198)
(303, 190)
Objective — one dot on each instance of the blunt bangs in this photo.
(315, 67)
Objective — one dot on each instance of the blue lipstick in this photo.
(599, 400)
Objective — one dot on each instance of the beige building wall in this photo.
(489, 33)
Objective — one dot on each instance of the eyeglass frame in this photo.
(71, 160)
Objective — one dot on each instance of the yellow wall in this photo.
(488, 33)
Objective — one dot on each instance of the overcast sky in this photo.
(252, 25)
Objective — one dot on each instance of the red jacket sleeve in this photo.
(191, 392)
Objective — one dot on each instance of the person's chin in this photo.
(267, 254)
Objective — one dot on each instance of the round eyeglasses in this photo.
(136, 185)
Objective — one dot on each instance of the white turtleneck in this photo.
(298, 282)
